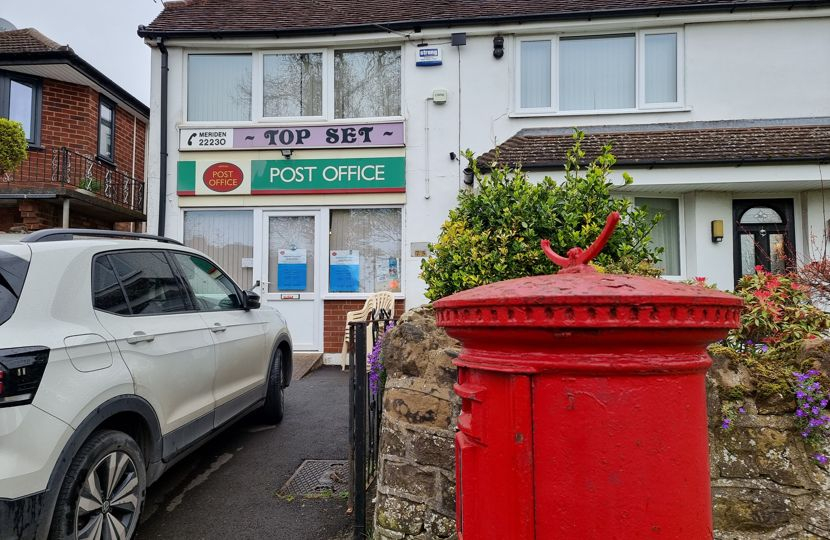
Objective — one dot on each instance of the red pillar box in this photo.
(584, 407)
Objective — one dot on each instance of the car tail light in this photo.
(20, 373)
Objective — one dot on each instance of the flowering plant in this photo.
(778, 314)
(375, 361)
(811, 413)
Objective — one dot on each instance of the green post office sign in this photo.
(378, 175)
(292, 176)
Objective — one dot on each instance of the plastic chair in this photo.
(378, 304)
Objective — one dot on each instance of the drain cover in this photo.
(314, 476)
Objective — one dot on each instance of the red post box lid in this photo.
(581, 297)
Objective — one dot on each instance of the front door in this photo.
(290, 277)
(764, 236)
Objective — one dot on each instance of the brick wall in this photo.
(334, 320)
(36, 215)
(70, 119)
(9, 217)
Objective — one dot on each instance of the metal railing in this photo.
(366, 407)
(62, 167)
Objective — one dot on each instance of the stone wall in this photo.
(416, 486)
(764, 482)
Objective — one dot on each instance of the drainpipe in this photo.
(163, 138)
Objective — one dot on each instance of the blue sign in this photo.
(344, 271)
(292, 270)
(429, 56)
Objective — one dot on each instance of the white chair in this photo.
(378, 304)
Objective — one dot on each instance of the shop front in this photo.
(311, 217)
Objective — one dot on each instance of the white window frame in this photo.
(324, 269)
(257, 74)
(681, 228)
(639, 76)
(641, 72)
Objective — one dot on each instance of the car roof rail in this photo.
(55, 235)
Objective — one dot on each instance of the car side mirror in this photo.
(250, 300)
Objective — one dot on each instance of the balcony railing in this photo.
(65, 168)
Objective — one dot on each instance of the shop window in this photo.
(367, 83)
(365, 250)
(20, 101)
(292, 85)
(666, 234)
(227, 237)
(219, 87)
(615, 72)
(106, 129)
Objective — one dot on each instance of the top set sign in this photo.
(389, 134)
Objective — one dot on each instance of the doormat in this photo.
(318, 478)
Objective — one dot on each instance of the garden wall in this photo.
(764, 482)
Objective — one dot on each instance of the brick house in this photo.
(87, 140)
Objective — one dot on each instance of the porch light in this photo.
(717, 230)
(286, 153)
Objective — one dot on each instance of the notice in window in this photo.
(386, 274)
(344, 271)
(292, 269)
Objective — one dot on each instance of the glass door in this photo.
(291, 277)
(764, 236)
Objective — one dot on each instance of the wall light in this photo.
(717, 230)
(286, 153)
(498, 47)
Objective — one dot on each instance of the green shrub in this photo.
(13, 145)
(494, 232)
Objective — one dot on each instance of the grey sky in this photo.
(102, 32)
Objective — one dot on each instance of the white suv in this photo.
(118, 357)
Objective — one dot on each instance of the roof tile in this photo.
(27, 40)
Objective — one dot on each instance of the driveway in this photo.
(227, 489)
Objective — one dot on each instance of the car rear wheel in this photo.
(102, 495)
(274, 407)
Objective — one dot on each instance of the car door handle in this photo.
(218, 328)
(139, 337)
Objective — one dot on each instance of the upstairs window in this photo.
(20, 102)
(367, 83)
(106, 129)
(219, 87)
(324, 84)
(292, 85)
(609, 72)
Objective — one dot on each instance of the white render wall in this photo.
(743, 66)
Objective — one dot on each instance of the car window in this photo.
(149, 282)
(214, 291)
(12, 275)
(107, 294)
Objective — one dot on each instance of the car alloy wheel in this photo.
(108, 502)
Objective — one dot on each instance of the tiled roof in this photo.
(27, 40)
(307, 16)
(675, 146)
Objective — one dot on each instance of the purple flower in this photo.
(726, 423)
(799, 413)
(805, 434)
(823, 403)
(764, 348)
(821, 458)
(741, 410)
(800, 394)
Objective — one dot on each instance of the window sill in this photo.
(277, 122)
(520, 114)
(105, 161)
(356, 296)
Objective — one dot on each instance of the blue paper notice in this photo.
(292, 270)
(344, 271)
(291, 277)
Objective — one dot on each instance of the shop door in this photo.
(290, 276)
(764, 236)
